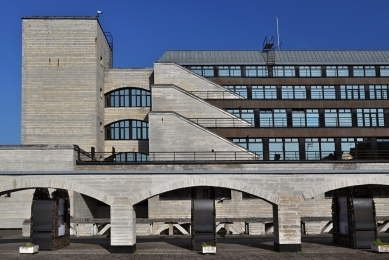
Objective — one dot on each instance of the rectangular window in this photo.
(235, 71)
(276, 151)
(287, 92)
(305, 71)
(224, 71)
(291, 146)
(312, 117)
(265, 118)
(327, 148)
(330, 118)
(344, 117)
(370, 117)
(378, 91)
(369, 71)
(342, 71)
(298, 118)
(352, 91)
(208, 71)
(251, 71)
(312, 149)
(384, 71)
(240, 90)
(317, 92)
(289, 71)
(294, 92)
(315, 71)
(280, 118)
(262, 71)
(331, 71)
(264, 92)
(358, 71)
(278, 71)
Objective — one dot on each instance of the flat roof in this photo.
(62, 17)
(258, 57)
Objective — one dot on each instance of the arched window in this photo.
(131, 157)
(128, 97)
(127, 130)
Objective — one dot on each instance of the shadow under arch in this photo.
(25, 183)
(155, 189)
(344, 182)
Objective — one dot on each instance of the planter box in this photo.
(28, 249)
(209, 249)
(380, 249)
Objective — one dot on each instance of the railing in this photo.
(221, 122)
(297, 94)
(215, 94)
(309, 121)
(241, 156)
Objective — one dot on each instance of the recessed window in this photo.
(128, 97)
(127, 130)
(131, 157)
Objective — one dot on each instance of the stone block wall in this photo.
(169, 132)
(170, 73)
(172, 98)
(63, 61)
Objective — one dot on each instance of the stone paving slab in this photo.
(177, 247)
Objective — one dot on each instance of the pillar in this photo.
(123, 227)
(287, 226)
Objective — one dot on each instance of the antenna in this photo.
(278, 35)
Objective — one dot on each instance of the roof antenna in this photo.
(278, 36)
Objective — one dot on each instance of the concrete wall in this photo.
(169, 132)
(172, 98)
(116, 78)
(62, 81)
(171, 73)
(39, 158)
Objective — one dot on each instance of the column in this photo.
(287, 226)
(123, 227)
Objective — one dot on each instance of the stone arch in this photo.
(268, 196)
(123, 86)
(344, 182)
(25, 182)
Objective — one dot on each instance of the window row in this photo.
(131, 157)
(361, 117)
(316, 148)
(291, 71)
(340, 92)
(127, 130)
(128, 97)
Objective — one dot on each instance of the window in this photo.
(298, 118)
(131, 157)
(337, 71)
(246, 114)
(294, 92)
(337, 118)
(229, 71)
(384, 71)
(312, 117)
(344, 117)
(312, 149)
(290, 71)
(273, 118)
(310, 71)
(264, 92)
(323, 92)
(330, 118)
(364, 71)
(256, 71)
(128, 97)
(369, 117)
(205, 71)
(127, 130)
(283, 149)
(378, 91)
(352, 92)
(240, 90)
(252, 144)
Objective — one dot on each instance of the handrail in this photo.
(274, 156)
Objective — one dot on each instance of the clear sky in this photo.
(144, 29)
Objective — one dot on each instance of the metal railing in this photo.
(222, 122)
(241, 156)
(215, 94)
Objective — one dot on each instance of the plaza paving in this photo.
(177, 247)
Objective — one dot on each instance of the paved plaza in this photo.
(177, 247)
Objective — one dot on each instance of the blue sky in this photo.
(144, 30)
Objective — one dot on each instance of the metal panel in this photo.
(363, 213)
(203, 216)
(364, 238)
(43, 239)
(43, 215)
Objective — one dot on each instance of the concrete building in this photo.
(241, 117)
